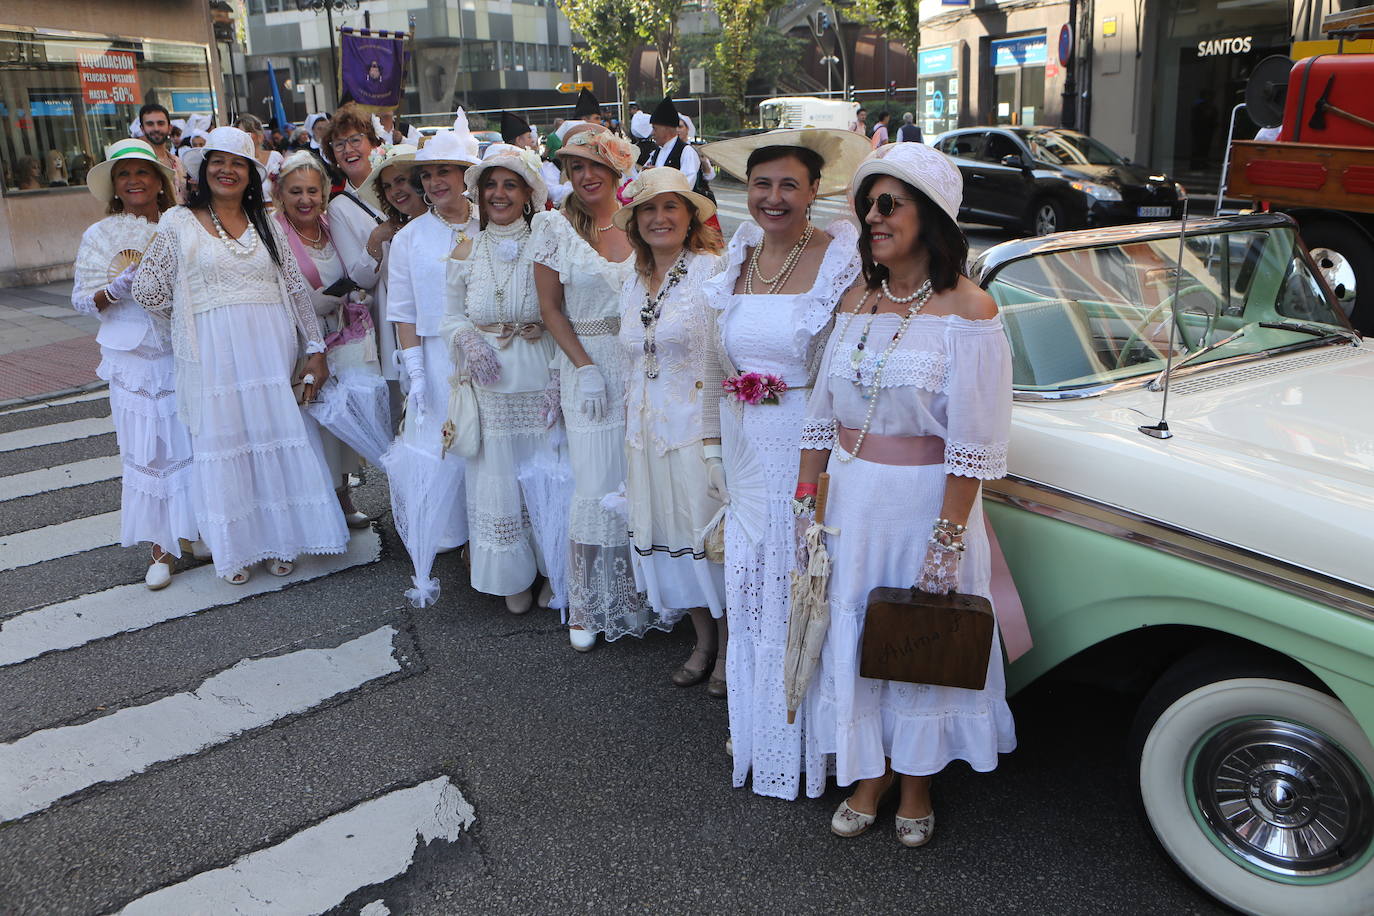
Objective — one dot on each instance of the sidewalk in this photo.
(46, 347)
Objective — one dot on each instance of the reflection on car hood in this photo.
(1275, 456)
(1130, 174)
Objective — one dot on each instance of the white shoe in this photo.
(582, 640)
(915, 831)
(159, 574)
(279, 567)
(730, 747)
(847, 822)
(521, 603)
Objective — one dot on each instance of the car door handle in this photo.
(976, 176)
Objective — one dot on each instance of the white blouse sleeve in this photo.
(400, 293)
(351, 232)
(155, 282)
(978, 422)
(456, 319)
(818, 426)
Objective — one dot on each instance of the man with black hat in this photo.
(516, 131)
(587, 108)
(673, 152)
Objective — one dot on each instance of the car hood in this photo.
(1275, 456)
(1130, 174)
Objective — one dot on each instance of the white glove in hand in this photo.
(414, 360)
(591, 392)
(479, 358)
(122, 285)
(715, 480)
(940, 572)
(553, 401)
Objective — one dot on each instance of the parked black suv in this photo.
(1047, 179)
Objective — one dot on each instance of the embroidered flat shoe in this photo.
(847, 822)
(582, 640)
(280, 567)
(159, 574)
(915, 831)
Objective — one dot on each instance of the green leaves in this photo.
(898, 19)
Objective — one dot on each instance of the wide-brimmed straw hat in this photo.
(654, 182)
(841, 151)
(456, 146)
(598, 144)
(100, 179)
(383, 157)
(522, 162)
(225, 140)
(923, 167)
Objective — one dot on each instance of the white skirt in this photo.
(882, 512)
(264, 488)
(429, 435)
(505, 554)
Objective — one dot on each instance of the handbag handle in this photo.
(822, 496)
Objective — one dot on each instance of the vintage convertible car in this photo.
(1227, 570)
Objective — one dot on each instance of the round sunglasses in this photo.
(886, 203)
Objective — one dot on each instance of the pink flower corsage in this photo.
(755, 388)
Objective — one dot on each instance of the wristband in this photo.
(806, 489)
(108, 297)
(712, 451)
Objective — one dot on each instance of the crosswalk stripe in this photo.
(126, 608)
(59, 402)
(25, 548)
(39, 769)
(31, 483)
(316, 869)
(53, 433)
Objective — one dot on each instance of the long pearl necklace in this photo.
(872, 394)
(237, 247)
(460, 230)
(517, 232)
(789, 264)
(856, 356)
(652, 308)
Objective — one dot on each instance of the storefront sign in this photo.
(1029, 51)
(1217, 46)
(192, 100)
(931, 61)
(108, 77)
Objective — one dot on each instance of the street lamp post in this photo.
(329, 6)
(830, 61)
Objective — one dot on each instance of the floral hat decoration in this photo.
(598, 144)
(381, 158)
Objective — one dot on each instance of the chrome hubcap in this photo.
(1045, 223)
(1339, 275)
(1283, 797)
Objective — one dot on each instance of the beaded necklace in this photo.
(516, 233)
(461, 230)
(653, 307)
(856, 356)
(237, 246)
(789, 264)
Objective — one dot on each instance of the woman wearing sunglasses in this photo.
(910, 413)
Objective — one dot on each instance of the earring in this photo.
(425, 197)
(529, 209)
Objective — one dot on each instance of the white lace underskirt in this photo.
(505, 555)
(453, 517)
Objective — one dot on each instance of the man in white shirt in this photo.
(673, 151)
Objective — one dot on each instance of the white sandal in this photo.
(239, 577)
(279, 567)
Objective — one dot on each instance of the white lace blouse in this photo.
(948, 377)
(591, 283)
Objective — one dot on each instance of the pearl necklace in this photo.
(789, 264)
(872, 394)
(237, 246)
(856, 356)
(652, 308)
(519, 232)
(461, 230)
(316, 242)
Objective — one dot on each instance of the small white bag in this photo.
(462, 430)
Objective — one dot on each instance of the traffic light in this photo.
(822, 21)
(892, 89)
(850, 95)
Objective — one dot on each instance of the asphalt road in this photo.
(210, 749)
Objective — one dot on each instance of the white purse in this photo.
(462, 431)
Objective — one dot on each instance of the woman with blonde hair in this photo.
(582, 261)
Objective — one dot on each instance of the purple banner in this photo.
(372, 67)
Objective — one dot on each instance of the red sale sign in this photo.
(109, 77)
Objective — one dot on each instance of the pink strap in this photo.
(1006, 602)
(303, 259)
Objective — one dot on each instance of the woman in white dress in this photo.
(498, 340)
(241, 315)
(581, 262)
(776, 295)
(416, 277)
(157, 497)
(668, 342)
(910, 413)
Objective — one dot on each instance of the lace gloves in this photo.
(590, 388)
(479, 357)
(122, 285)
(940, 571)
(553, 402)
(414, 361)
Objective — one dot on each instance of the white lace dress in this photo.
(238, 325)
(157, 497)
(500, 303)
(664, 429)
(948, 377)
(782, 335)
(602, 596)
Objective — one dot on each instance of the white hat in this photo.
(100, 179)
(567, 126)
(923, 167)
(199, 122)
(136, 128)
(691, 128)
(384, 157)
(640, 128)
(840, 151)
(653, 182)
(522, 162)
(456, 146)
(224, 140)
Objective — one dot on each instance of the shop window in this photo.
(64, 99)
(1018, 79)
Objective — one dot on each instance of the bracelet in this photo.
(945, 542)
(712, 451)
(108, 297)
(945, 526)
(803, 506)
(806, 489)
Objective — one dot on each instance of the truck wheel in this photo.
(1345, 257)
(1259, 789)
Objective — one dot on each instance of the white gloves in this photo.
(553, 401)
(591, 392)
(122, 285)
(479, 357)
(414, 360)
(715, 480)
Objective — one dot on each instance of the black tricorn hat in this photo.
(586, 105)
(666, 115)
(513, 126)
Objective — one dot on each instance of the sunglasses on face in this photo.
(886, 203)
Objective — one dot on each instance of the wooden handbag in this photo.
(914, 636)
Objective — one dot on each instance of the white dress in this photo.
(499, 302)
(602, 596)
(417, 275)
(948, 377)
(157, 498)
(664, 429)
(782, 335)
(340, 458)
(238, 324)
(351, 221)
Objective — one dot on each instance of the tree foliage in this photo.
(657, 21)
(899, 20)
(611, 31)
(779, 56)
(737, 53)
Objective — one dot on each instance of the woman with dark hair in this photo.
(775, 299)
(582, 261)
(393, 190)
(911, 412)
(493, 327)
(241, 313)
(156, 502)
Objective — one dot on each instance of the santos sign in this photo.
(1224, 46)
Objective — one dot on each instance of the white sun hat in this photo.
(224, 140)
(100, 179)
(923, 167)
(384, 157)
(841, 151)
(456, 146)
(522, 162)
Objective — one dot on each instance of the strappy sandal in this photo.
(689, 677)
(159, 574)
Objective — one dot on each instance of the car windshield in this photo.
(1089, 317)
(770, 115)
(1062, 148)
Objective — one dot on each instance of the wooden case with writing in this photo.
(921, 638)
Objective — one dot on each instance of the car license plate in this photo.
(1154, 211)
